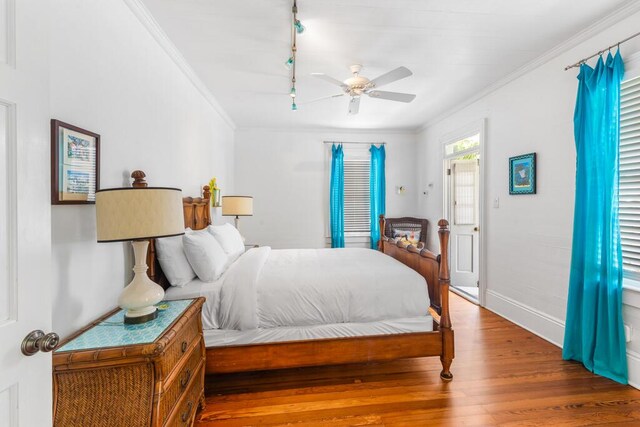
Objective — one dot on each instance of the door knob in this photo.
(37, 341)
(475, 228)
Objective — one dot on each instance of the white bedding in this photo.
(198, 288)
(222, 337)
(311, 293)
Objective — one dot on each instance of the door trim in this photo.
(476, 127)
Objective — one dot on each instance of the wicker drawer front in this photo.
(174, 390)
(184, 415)
(179, 346)
(109, 397)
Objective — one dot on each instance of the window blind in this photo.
(356, 195)
(464, 191)
(629, 201)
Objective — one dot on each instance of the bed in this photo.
(277, 309)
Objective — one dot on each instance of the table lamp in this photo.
(137, 215)
(237, 206)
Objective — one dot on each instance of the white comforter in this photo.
(268, 288)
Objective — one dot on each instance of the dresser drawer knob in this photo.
(185, 415)
(184, 346)
(185, 380)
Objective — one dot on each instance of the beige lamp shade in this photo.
(138, 213)
(237, 205)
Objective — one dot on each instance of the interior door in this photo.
(464, 219)
(25, 241)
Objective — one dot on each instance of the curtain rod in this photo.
(368, 143)
(582, 61)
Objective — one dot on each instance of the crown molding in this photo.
(148, 21)
(392, 131)
(592, 30)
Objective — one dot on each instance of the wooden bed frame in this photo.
(335, 351)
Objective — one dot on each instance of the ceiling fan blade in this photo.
(321, 99)
(354, 105)
(329, 79)
(392, 96)
(391, 76)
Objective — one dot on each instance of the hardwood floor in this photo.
(503, 376)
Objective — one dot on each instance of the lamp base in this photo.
(142, 294)
(136, 320)
(236, 221)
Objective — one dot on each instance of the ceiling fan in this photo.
(358, 85)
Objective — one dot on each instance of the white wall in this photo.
(110, 76)
(285, 172)
(528, 237)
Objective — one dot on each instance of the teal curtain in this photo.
(336, 196)
(594, 332)
(376, 191)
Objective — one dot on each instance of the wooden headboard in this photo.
(197, 215)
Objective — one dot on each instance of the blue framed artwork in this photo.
(522, 174)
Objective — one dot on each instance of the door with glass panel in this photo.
(462, 207)
(25, 225)
(464, 224)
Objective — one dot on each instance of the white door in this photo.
(25, 230)
(464, 219)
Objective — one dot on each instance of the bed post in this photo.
(382, 225)
(206, 195)
(445, 319)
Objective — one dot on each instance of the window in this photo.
(629, 202)
(356, 194)
(463, 145)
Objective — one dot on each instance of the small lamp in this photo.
(137, 215)
(237, 206)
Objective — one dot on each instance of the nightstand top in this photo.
(112, 332)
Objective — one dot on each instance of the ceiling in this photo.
(455, 48)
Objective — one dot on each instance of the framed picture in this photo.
(522, 174)
(75, 164)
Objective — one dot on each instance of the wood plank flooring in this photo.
(503, 376)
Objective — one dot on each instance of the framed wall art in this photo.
(522, 174)
(75, 164)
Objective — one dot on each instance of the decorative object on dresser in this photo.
(75, 164)
(215, 193)
(139, 213)
(237, 206)
(112, 375)
(256, 356)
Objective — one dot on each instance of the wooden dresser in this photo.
(116, 375)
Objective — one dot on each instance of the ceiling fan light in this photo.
(292, 93)
(294, 107)
(299, 27)
(289, 63)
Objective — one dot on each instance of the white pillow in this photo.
(174, 263)
(229, 238)
(206, 256)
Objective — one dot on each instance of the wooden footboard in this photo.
(435, 269)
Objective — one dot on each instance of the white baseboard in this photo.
(633, 365)
(546, 327)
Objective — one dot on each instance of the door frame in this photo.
(476, 127)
